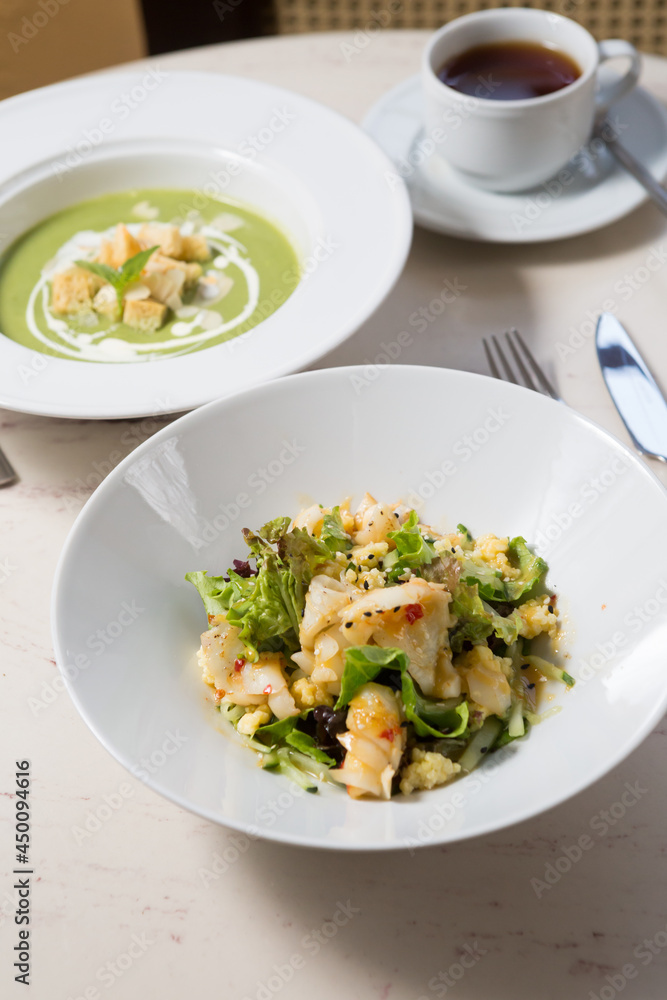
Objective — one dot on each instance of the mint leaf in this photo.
(133, 266)
(121, 278)
(109, 274)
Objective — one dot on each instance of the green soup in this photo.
(252, 270)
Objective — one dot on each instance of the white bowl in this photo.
(497, 457)
(301, 165)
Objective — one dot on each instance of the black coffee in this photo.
(509, 71)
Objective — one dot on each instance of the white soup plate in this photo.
(314, 174)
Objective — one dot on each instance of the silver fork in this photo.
(7, 473)
(523, 360)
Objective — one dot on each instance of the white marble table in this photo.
(123, 907)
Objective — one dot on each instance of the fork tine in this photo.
(541, 377)
(495, 371)
(527, 377)
(509, 374)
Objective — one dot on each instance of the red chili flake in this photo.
(219, 694)
(388, 734)
(239, 665)
(268, 689)
(413, 612)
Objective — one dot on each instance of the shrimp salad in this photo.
(365, 648)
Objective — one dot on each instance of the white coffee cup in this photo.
(513, 145)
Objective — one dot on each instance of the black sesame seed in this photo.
(530, 687)
(349, 555)
(348, 624)
(367, 614)
(484, 749)
(366, 584)
(397, 608)
(453, 549)
(371, 557)
(524, 666)
(550, 609)
(395, 513)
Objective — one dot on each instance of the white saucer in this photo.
(599, 191)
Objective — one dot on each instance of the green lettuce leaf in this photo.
(262, 541)
(426, 715)
(217, 593)
(268, 616)
(306, 745)
(477, 620)
(302, 553)
(412, 550)
(490, 582)
(532, 569)
(364, 663)
(275, 732)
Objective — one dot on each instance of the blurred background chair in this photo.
(642, 22)
(47, 40)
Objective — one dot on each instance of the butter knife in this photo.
(635, 393)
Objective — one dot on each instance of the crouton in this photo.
(105, 302)
(168, 238)
(106, 254)
(144, 314)
(124, 245)
(160, 264)
(72, 291)
(194, 248)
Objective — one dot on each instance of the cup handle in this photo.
(614, 87)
